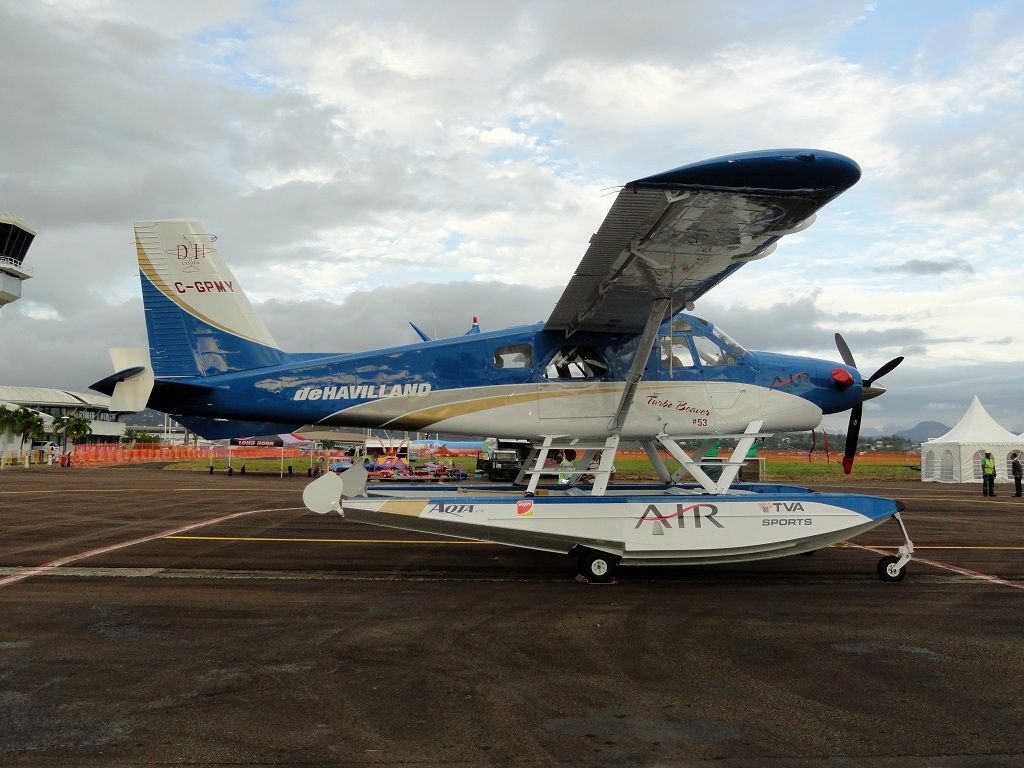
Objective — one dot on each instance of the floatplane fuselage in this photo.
(528, 382)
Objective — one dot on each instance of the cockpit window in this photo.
(514, 356)
(576, 362)
(728, 342)
(675, 352)
(711, 354)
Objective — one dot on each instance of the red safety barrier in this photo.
(106, 454)
(101, 454)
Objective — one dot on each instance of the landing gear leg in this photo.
(893, 567)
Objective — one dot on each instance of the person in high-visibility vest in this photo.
(988, 475)
(565, 469)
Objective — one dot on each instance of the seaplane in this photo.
(621, 358)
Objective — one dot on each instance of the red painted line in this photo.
(28, 573)
(945, 566)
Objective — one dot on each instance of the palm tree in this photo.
(72, 427)
(29, 424)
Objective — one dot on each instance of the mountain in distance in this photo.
(144, 418)
(925, 430)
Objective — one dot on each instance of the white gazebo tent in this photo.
(956, 456)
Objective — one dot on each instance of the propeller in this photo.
(867, 392)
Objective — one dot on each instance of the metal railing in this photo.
(7, 261)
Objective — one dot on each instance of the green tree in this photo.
(29, 424)
(72, 427)
(138, 436)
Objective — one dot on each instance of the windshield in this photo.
(728, 342)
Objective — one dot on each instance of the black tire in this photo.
(887, 570)
(597, 567)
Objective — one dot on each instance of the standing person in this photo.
(1015, 469)
(565, 468)
(988, 475)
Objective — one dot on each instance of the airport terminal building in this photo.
(51, 403)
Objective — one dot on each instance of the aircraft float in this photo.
(620, 358)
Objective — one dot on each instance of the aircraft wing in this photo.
(677, 234)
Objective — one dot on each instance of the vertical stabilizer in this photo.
(199, 321)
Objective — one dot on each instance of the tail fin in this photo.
(199, 321)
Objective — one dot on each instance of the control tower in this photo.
(15, 239)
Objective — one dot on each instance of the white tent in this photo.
(956, 456)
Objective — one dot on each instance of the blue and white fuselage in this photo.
(523, 382)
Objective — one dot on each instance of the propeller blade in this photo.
(844, 351)
(867, 392)
(852, 435)
(883, 370)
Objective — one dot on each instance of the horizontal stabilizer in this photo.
(106, 386)
(133, 383)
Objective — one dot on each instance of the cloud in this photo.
(380, 318)
(926, 267)
(66, 353)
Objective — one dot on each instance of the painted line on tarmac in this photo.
(329, 541)
(976, 575)
(28, 573)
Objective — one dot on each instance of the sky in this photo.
(365, 164)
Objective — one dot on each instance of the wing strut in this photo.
(640, 358)
(732, 466)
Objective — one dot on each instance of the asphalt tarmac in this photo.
(154, 617)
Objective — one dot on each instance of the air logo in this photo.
(701, 513)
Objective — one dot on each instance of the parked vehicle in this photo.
(502, 459)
